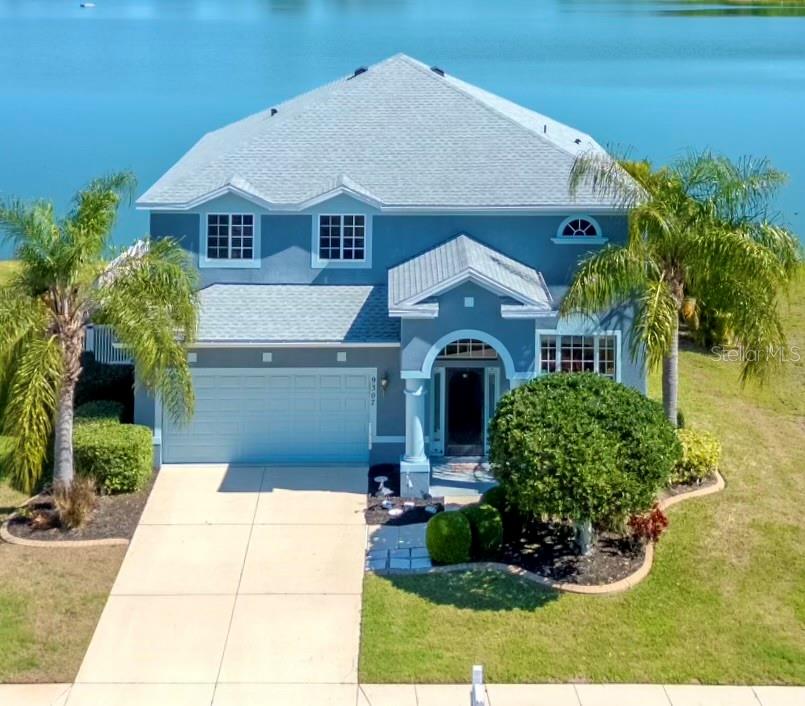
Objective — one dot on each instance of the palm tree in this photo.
(700, 238)
(65, 279)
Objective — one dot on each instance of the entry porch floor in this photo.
(460, 475)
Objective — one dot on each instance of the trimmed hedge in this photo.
(449, 538)
(118, 456)
(701, 455)
(487, 530)
(581, 447)
(101, 381)
(100, 411)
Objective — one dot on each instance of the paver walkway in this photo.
(241, 586)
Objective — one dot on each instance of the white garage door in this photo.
(275, 416)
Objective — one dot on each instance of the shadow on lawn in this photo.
(476, 590)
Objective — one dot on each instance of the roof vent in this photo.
(577, 141)
(437, 70)
(360, 70)
(273, 112)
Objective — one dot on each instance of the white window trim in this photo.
(207, 262)
(594, 334)
(318, 263)
(579, 239)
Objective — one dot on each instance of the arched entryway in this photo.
(465, 387)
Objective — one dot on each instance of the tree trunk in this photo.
(670, 378)
(63, 442)
(584, 536)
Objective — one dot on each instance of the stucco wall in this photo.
(286, 241)
(419, 335)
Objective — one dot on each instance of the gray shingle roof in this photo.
(283, 313)
(457, 260)
(398, 135)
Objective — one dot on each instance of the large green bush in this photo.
(581, 447)
(496, 497)
(100, 411)
(701, 454)
(118, 456)
(449, 538)
(486, 526)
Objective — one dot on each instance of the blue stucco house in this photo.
(381, 259)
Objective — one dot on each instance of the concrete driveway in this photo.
(241, 586)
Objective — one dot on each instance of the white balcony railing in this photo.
(101, 341)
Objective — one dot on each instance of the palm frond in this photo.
(605, 177)
(655, 323)
(149, 299)
(605, 279)
(28, 417)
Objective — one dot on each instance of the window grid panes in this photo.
(230, 236)
(578, 354)
(579, 227)
(574, 354)
(548, 354)
(342, 238)
(606, 356)
(468, 349)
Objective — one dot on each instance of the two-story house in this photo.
(381, 259)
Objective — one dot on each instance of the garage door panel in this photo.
(274, 416)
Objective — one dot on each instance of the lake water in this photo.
(133, 83)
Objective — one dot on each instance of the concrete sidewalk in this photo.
(410, 695)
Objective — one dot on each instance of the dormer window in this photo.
(342, 238)
(579, 230)
(230, 240)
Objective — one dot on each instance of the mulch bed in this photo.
(672, 490)
(377, 515)
(115, 517)
(549, 549)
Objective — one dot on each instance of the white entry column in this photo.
(414, 421)
(415, 465)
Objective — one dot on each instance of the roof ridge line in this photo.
(458, 89)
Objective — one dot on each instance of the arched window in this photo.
(579, 228)
(468, 349)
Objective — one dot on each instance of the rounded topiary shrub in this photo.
(701, 454)
(449, 538)
(581, 447)
(487, 530)
(119, 457)
(496, 497)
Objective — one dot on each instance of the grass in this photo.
(50, 602)
(6, 268)
(723, 604)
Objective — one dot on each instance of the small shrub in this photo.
(701, 455)
(449, 538)
(74, 504)
(680, 419)
(496, 497)
(487, 530)
(100, 381)
(648, 526)
(118, 456)
(100, 411)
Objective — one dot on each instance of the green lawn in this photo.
(724, 602)
(6, 268)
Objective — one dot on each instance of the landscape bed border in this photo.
(604, 589)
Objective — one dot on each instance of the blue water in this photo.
(133, 83)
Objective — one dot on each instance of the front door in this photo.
(465, 411)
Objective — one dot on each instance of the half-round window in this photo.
(579, 227)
